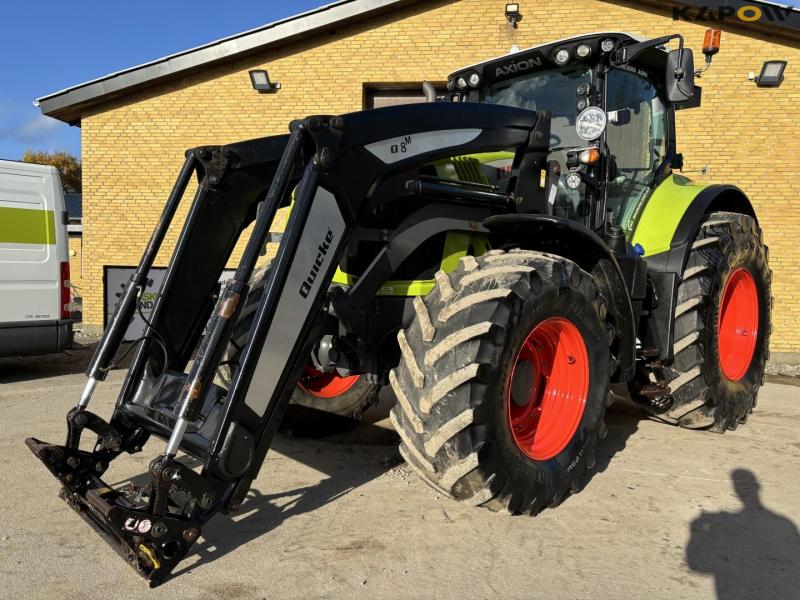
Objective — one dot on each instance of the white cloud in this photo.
(33, 130)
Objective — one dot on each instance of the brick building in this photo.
(354, 54)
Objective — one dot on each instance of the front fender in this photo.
(581, 245)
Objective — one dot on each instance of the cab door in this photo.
(637, 142)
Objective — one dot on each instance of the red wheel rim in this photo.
(325, 385)
(737, 327)
(547, 387)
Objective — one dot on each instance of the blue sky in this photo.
(51, 44)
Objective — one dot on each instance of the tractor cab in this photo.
(611, 97)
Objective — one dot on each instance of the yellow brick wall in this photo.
(132, 149)
(76, 265)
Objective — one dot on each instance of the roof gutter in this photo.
(67, 105)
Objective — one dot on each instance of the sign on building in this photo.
(116, 278)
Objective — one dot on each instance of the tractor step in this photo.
(648, 353)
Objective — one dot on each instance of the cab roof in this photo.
(541, 56)
(567, 40)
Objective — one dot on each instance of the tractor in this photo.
(504, 256)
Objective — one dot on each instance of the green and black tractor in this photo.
(501, 256)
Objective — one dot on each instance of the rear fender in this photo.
(673, 212)
(680, 215)
(581, 245)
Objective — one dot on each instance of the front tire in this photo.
(722, 326)
(508, 340)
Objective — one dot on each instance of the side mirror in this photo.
(680, 75)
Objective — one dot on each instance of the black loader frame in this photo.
(334, 166)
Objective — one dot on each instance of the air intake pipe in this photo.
(429, 91)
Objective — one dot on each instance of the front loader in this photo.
(500, 257)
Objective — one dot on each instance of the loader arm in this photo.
(338, 165)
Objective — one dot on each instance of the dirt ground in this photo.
(669, 513)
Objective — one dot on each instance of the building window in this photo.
(392, 94)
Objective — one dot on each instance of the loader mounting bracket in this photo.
(143, 523)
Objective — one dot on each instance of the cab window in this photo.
(552, 90)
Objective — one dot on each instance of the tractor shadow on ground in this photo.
(16, 369)
(752, 553)
(622, 420)
(321, 446)
(349, 456)
(344, 469)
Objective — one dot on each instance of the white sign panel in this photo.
(115, 281)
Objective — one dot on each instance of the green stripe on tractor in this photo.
(456, 246)
(468, 167)
(662, 213)
(27, 226)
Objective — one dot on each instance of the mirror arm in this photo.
(679, 74)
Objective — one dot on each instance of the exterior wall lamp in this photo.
(513, 16)
(261, 83)
(771, 73)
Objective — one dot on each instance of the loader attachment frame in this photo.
(336, 166)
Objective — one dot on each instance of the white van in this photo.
(34, 264)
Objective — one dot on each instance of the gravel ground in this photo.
(670, 513)
(783, 369)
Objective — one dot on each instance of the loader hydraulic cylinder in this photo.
(230, 301)
(123, 313)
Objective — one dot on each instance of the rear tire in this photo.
(323, 392)
(722, 326)
(455, 398)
